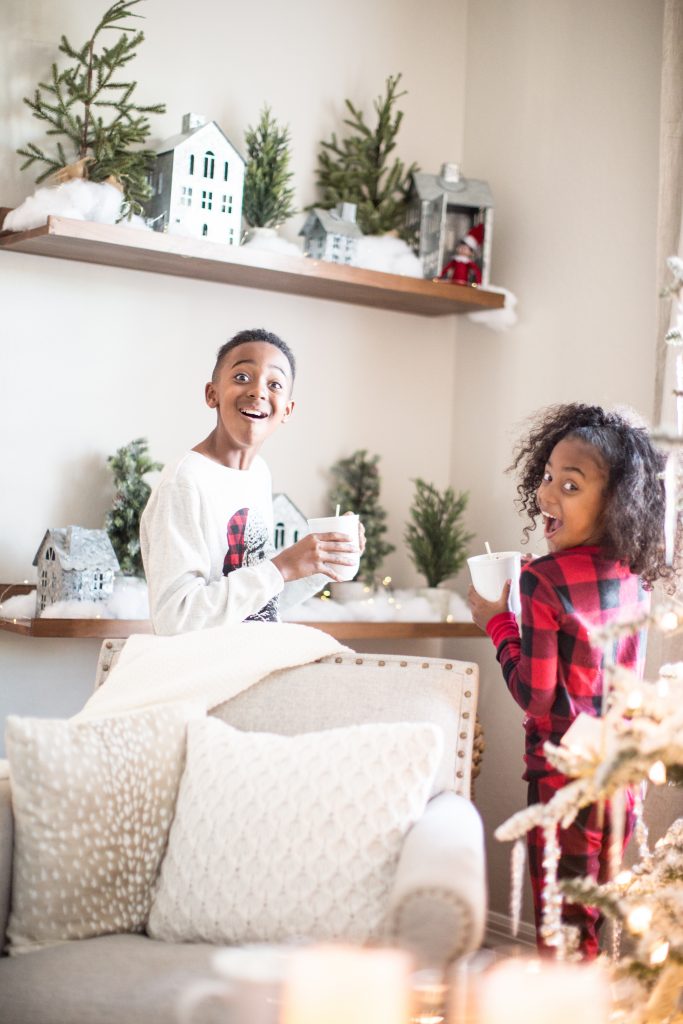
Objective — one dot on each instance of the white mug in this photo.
(349, 525)
(489, 573)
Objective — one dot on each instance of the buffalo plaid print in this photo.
(584, 851)
(234, 556)
(552, 670)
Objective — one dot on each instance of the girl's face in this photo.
(571, 496)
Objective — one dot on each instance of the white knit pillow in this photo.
(93, 803)
(283, 836)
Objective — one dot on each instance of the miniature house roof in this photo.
(459, 192)
(194, 125)
(78, 548)
(282, 505)
(331, 223)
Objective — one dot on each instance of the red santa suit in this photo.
(461, 270)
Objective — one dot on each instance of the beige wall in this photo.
(555, 103)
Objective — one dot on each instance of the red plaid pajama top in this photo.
(551, 670)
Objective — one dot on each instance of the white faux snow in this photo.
(382, 606)
(273, 243)
(77, 199)
(387, 254)
(129, 601)
(497, 319)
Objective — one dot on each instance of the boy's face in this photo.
(251, 394)
(571, 496)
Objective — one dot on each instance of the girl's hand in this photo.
(316, 553)
(483, 610)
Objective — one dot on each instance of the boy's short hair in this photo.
(257, 334)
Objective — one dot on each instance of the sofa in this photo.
(436, 903)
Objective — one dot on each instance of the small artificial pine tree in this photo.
(130, 464)
(73, 105)
(356, 489)
(355, 169)
(436, 538)
(268, 197)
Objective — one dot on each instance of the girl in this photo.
(595, 480)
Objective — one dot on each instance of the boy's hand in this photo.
(316, 552)
(483, 610)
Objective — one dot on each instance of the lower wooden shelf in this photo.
(122, 628)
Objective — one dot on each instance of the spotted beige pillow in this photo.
(93, 803)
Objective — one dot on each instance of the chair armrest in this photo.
(6, 845)
(437, 907)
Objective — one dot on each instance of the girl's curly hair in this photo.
(634, 513)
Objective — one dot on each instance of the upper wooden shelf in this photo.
(116, 246)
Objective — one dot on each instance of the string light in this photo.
(660, 952)
(657, 773)
(639, 919)
(634, 700)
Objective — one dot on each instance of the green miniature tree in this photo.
(268, 196)
(435, 535)
(356, 169)
(356, 489)
(73, 103)
(130, 465)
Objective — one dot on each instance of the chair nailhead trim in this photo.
(337, 661)
(381, 664)
(463, 735)
(425, 664)
(359, 661)
(459, 775)
(105, 668)
(468, 671)
(109, 645)
(461, 753)
(465, 714)
(448, 666)
(403, 664)
(468, 693)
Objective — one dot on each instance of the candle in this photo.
(347, 985)
(521, 991)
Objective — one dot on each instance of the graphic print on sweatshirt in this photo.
(248, 544)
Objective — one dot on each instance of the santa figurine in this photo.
(464, 268)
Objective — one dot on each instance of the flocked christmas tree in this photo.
(101, 125)
(356, 169)
(356, 489)
(436, 536)
(130, 465)
(268, 195)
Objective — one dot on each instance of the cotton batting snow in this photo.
(382, 606)
(387, 254)
(497, 319)
(273, 243)
(77, 199)
(129, 601)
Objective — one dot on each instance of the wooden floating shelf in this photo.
(116, 246)
(122, 628)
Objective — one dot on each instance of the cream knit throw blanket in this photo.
(206, 667)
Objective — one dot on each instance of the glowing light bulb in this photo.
(449, 618)
(657, 773)
(326, 593)
(624, 877)
(635, 700)
(639, 919)
(366, 590)
(386, 581)
(660, 952)
(668, 621)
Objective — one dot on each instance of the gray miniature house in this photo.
(332, 234)
(74, 564)
(442, 209)
(197, 184)
(289, 523)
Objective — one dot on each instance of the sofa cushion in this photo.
(278, 837)
(93, 803)
(114, 979)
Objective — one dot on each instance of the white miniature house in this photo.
(74, 564)
(442, 209)
(289, 523)
(332, 234)
(197, 184)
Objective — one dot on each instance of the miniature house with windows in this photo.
(74, 564)
(444, 208)
(289, 523)
(197, 184)
(332, 234)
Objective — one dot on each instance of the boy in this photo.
(205, 533)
